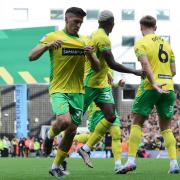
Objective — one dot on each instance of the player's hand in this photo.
(159, 88)
(88, 50)
(121, 83)
(54, 45)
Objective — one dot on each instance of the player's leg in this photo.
(90, 95)
(134, 141)
(165, 110)
(75, 102)
(62, 151)
(105, 101)
(142, 107)
(63, 119)
(94, 118)
(101, 128)
(81, 138)
(170, 144)
(116, 146)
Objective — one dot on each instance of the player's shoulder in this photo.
(100, 33)
(146, 38)
(51, 36)
(55, 33)
(84, 37)
(100, 36)
(140, 42)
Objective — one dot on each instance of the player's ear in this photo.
(141, 28)
(66, 19)
(155, 27)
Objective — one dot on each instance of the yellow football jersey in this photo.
(67, 63)
(101, 42)
(160, 56)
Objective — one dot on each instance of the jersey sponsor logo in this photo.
(72, 51)
(164, 76)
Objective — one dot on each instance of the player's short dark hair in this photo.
(76, 11)
(148, 21)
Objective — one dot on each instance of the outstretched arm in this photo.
(108, 56)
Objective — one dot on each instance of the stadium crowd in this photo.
(23, 147)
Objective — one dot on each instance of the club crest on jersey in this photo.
(72, 51)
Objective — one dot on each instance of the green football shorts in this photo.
(164, 103)
(98, 95)
(68, 102)
(96, 117)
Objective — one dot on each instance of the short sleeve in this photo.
(104, 44)
(139, 50)
(46, 39)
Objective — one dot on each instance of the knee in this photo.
(62, 122)
(71, 132)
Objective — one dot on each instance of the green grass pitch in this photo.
(37, 169)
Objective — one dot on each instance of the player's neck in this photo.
(105, 29)
(69, 33)
(147, 31)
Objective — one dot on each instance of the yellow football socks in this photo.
(170, 143)
(100, 130)
(51, 133)
(60, 156)
(134, 140)
(81, 138)
(116, 144)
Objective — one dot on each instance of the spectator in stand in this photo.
(27, 143)
(37, 147)
(107, 142)
(13, 143)
(21, 146)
